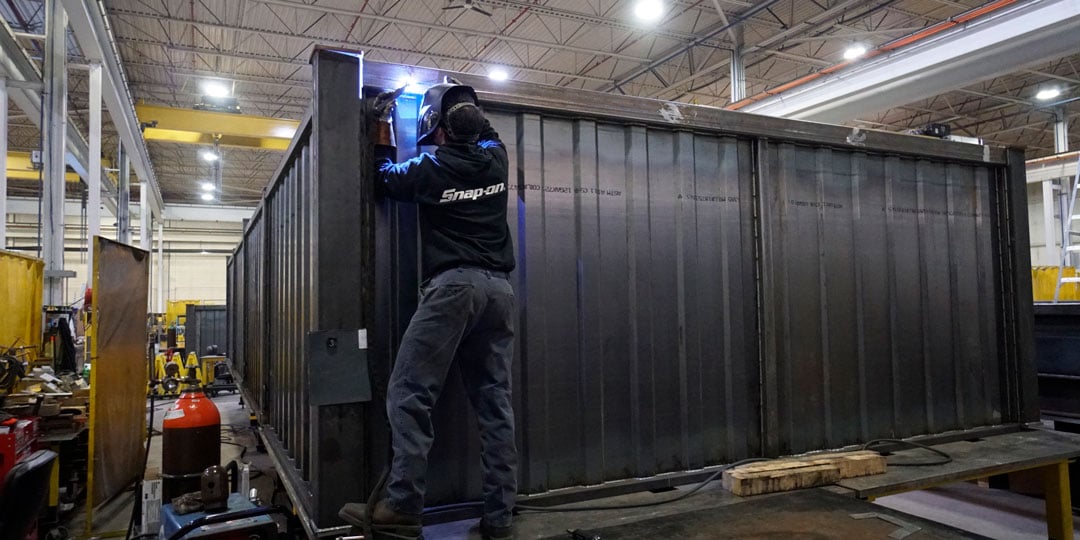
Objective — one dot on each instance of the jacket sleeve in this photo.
(401, 181)
(489, 141)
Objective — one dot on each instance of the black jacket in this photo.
(461, 191)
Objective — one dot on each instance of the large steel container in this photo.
(695, 286)
(205, 326)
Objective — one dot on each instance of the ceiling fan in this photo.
(467, 5)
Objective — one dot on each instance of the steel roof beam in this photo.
(981, 49)
(87, 21)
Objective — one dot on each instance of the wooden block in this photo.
(852, 464)
(781, 475)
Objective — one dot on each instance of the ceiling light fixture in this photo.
(854, 51)
(216, 89)
(649, 10)
(207, 186)
(1048, 93)
(498, 74)
(207, 196)
(209, 156)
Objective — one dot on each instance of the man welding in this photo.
(466, 309)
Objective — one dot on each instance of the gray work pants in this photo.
(464, 314)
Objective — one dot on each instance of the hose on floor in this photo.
(944, 457)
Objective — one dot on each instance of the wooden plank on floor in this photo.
(853, 464)
(772, 477)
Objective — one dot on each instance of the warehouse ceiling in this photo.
(260, 48)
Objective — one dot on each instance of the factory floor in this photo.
(980, 511)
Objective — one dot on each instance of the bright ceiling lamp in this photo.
(209, 156)
(1048, 93)
(854, 51)
(207, 196)
(216, 89)
(498, 74)
(207, 186)
(649, 10)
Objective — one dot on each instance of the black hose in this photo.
(136, 506)
(945, 458)
(712, 477)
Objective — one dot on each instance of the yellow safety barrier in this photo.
(21, 281)
(1044, 280)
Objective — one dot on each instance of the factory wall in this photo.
(189, 272)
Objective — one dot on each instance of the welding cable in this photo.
(945, 458)
(552, 509)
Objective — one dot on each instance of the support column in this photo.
(54, 129)
(144, 217)
(160, 267)
(738, 68)
(3, 161)
(1061, 131)
(123, 199)
(93, 167)
(1050, 229)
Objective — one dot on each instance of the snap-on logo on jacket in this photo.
(452, 194)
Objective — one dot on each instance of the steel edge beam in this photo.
(87, 21)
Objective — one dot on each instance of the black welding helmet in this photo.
(437, 100)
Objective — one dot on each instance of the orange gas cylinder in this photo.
(190, 442)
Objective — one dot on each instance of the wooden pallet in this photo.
(802, 472)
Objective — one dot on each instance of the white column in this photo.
(123, 199)
(53, 148)
(144, 216)
(93, 166)
(3, 161)
(1061, 131)
(738, 68)
(1049, 226)
(160, 268)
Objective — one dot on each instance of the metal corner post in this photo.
(55, 129)
(337, 164)
(1016, 254)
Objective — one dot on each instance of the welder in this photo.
(466, 309)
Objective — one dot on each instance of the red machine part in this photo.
(17, 436)
(190, 442)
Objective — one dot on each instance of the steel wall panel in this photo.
(885, 268)
(205, 326)
(623, 278)
(882, 271)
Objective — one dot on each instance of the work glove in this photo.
(382, 124)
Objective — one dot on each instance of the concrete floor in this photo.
(993, 513)
(982, 511)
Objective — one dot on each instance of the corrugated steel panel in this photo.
(695, 286)
(880, 299)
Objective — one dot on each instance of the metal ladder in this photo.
(1067, 246)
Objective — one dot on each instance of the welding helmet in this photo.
(437, 100)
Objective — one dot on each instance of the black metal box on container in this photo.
(695, 286)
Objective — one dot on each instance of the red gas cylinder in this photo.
(190, 442)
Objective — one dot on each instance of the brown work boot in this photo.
(383, 518)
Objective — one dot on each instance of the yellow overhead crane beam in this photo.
(19, 167)
(202, 127)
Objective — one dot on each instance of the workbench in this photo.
(1046, 451)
